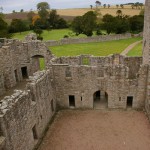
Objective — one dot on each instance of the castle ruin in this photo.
(29, 97)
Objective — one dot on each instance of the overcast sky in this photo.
(9, 5)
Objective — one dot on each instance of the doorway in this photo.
(129, 101)
(24, 72)
(71, 101)
(100, 100)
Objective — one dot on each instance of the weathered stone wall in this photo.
(15, 54)
(100, 38)
(112, 75)
(146, 34)
(25, 110)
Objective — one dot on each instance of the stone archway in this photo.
(100, 100)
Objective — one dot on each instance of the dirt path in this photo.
(125, 52)
(98, 130)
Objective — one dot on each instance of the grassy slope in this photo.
(51, 35)
(136, 51)
(96, 49)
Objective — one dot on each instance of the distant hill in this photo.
(69, 14)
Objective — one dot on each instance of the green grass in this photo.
(136, 51)
(96, 49)
(48, 35)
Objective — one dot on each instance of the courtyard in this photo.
(98, 130)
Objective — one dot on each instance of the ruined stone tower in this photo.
(146, 39)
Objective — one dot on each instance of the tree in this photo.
(98, 3)
(30, 15)
(43, 12)
(108, 23)
(122, 6)
(84, 24)
(104, 5)
(141, 5)
(119, 12)
(136, 23)
(4, 29)
(91, 6)
(43, 5)
(21, 10)
(89, 23)
(76, 25)
(132, 6)
(17, 25)
(55, 21)
(108, 5)
(117, 5)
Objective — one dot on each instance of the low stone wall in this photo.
(100, 38)
(25, 114)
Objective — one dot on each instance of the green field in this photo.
(48, 35)
(136, 51)
(96, 49)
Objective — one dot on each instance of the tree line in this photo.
(91, 21)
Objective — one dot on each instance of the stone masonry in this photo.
(67, 82)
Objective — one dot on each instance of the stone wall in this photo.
(113, 75)
(15, 55)
(100, 38)
(26, 112)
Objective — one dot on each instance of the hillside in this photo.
(69, 14)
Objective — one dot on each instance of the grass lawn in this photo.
(136, 51)
(96, 49)
(51, 35)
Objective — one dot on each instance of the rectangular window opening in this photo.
(71, 100)
(85, 61)
(129, 101)
(35, 136)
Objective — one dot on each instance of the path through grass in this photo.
(96, 49)
(136, 51)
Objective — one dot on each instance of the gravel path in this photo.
(125, 52)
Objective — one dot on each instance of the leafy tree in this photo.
(108, 23)
(77, 25)
(4, 29)
(43, 12)
(121, 24)
(55, 21)
(84, 24)
(17, 25)
(136, 23)
(91, 6)
(89, 23)
(122, 6)
(21, 10)
(104, 5)
(98, 3)
(119, 12)
(30, 15)
(108, 5)
(43, 5)
(117, 5)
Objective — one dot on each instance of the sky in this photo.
(17, 5)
